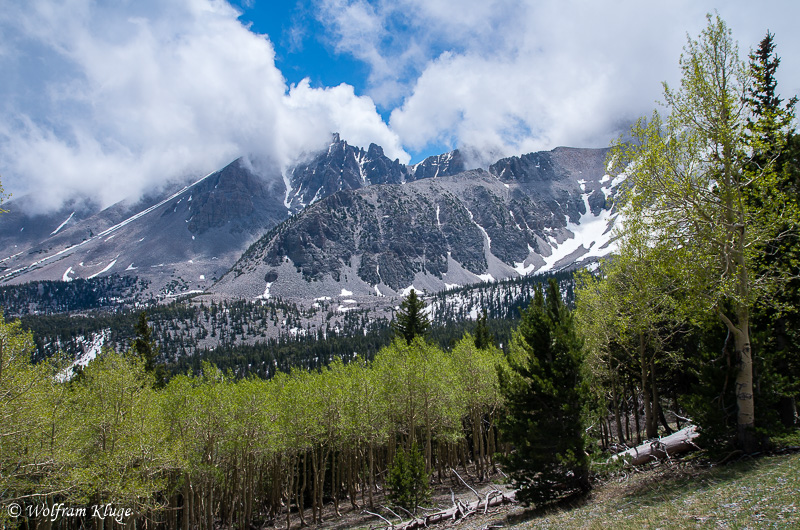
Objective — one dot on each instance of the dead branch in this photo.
(678, 442)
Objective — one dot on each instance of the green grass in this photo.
(754, 493)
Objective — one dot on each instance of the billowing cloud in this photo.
(109, 101)
(339, 109)
(511, 76)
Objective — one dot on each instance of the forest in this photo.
(694, 320)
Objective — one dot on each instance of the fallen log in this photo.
(678, 442)
(458, 511)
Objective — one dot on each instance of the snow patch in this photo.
(106, 269)
(266, 294)
(54, 232)
(407, 290)
(485, 234)
(619, 179)
(66, 277)
(184, 293)
(90, 353)
(345, 292)
(521, 268)
(592, 233)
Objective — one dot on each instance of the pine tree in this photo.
(146, 348)
(483, 338)
(774, 151)
(544, 400)
(411, 320)
(408, 483)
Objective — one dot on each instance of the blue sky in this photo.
(112, 98)
(301, 50)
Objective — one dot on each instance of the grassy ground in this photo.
(753, 493)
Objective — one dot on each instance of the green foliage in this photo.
(407, 482)
(146, 348)
(702, 182)
(544, 395)
(708, 392)
(411, 320)
(483, 337)
(774, 151)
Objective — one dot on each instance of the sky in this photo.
(111, 99)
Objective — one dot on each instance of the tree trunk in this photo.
(647, 402)
(745, 419)
(678, 442)
(617, 419)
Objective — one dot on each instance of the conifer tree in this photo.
(411, 320)
(773, 150)
(544, 401)
(483, 338)
(408, 483)
(146, 348)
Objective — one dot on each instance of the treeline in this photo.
(49, 297)
(264, 359)
(259, 337)
(209, 448)
(182, 328)
(501, 300)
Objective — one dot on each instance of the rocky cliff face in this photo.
(345, 219)
(525, 214)
(345, 167)
(182, 241)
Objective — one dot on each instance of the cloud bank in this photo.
(113, 99)
(513, 76)
(120, 100)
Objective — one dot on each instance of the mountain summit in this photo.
(345, 218)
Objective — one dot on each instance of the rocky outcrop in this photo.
(520, 216)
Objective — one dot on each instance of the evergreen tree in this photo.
(544, 401)
(483, 338)
(146, 348)
(411, 320)
(408, 483)
(773, 150)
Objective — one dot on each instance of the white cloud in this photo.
(512, 76)
(339, 109)
(112, 101)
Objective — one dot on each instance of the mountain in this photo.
(533, 213)
(184, 240)
(187, 237)
(345, 167)
(343, 220)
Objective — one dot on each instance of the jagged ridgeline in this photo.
(343, 211)
(266, 336)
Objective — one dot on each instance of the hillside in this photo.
(752, 493)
